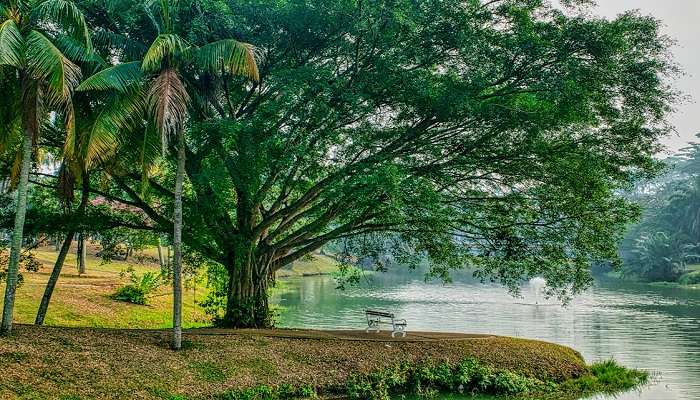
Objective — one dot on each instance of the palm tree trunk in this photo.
(82, 250)
(53, 279)
(177, 244)
(161, 257)
(30, 124)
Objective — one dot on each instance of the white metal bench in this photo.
(376, 318)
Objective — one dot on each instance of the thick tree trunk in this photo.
(30, 124)
(177, 244)
(247, 298)
(53, 279)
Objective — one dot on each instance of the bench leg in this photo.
(372, 325)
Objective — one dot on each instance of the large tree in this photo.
(492, 135)
(36, 77)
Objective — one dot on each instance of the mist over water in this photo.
(642, 326)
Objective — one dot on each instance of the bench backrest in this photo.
(379, 313)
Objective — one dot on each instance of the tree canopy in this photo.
(489, 135)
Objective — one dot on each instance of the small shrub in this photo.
(606, 377)
(692, 278)
(130, 294)
(140, 287)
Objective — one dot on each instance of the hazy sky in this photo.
(682, 22)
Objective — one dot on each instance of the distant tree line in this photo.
(667, 238)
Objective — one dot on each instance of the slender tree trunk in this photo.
(177, 244)
(128, 253)
(58, 266)
(53, 279)
(82, 252)
(30, 124)
(161, 259)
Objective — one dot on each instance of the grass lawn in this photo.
(85, 300)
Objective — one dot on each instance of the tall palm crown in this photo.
(36, 75)
(156, 87)
(36, 38)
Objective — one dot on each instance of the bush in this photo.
(427, 380)
(140, 287)
(130, 294)
(691, 278)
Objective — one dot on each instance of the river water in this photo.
(642, 326)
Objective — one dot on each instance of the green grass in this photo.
(606, 377)
(316, 264)
(209, 371)
(87, 300)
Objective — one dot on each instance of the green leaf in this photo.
(68, 16)
(123, 114)
(11, 44)
(163, 47)
(45, 61)
(230, 56)
(121, 77)
(76, 51)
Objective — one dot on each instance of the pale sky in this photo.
(682, 23)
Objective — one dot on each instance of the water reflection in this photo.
(653, 328)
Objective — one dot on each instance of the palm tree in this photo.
(155, 85)
(44, 77)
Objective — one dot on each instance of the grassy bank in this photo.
(81, 363)
(86, 300)
(317, 264)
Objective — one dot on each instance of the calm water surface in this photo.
(642, 326)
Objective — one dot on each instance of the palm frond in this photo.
(164, 46)
(122, 115)
(76, 51)
(121, 77)
(68, 16)
(70, 145)
(11, 44)
(130, 48)
(10, 119)
(168, 102)
(46, 62)
(230, 56)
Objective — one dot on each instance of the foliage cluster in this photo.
(667, 239)
(469, 377)
(140, 287)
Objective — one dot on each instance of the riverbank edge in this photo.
(88, 363)
(674, 285)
